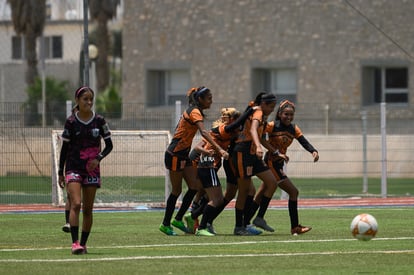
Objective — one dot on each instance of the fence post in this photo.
(383, 150)
(327, 119)
(364, 152)
(68, 108)
(167, 181)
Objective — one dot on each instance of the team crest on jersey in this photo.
(95, 132)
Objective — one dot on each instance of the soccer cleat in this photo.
(190, 223)
(66, 228)
(167, 230)
(253, 230)
(85, 250)
(260, 222)
(204, 232)
(300, 230)
(180, 225)
(77, 248)
(210, 229)
(241, 231)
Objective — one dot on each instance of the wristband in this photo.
(99, 157)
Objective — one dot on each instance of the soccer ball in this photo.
(364, 227)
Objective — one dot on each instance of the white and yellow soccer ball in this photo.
(364, 227)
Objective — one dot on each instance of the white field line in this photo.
(206, 256)
(198, 244)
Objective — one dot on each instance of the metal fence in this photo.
(348, 149)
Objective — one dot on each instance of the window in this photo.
(53, 47)
(384, 84)
(165, 87)
(18, 47)
(281, 82)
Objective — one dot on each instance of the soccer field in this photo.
(128, 242)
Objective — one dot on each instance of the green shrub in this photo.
(57, 93)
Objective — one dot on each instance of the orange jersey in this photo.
(186, 130)
(245, 135)
(244, 141)
(281, 136)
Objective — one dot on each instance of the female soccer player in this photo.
(208, 163)
(79, 158)
(282, 132)
(248, 160)
(177, 159)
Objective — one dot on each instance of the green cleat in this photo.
(167, 230)
(190, 223)
(180, 225)
(204, 232)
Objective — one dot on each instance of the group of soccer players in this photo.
(235, 141)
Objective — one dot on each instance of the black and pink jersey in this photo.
(84, 139)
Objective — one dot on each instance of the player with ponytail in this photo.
(177, 159)
(248, 161)
(79, 168)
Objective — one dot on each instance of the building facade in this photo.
(334, 56)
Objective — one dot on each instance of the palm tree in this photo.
(28, 18)
(102, 11)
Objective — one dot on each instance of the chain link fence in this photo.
(347, 153)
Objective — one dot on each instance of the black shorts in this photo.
(176, 162)
(208, 177)
(248, 165)
(277, 169)
(230, 171)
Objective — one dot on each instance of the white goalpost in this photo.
(133, 174)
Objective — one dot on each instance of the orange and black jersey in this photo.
(223, 135)
(222, 138)
(282, 136)
(244, 141)
(186, 130)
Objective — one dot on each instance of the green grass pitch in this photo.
(130, 243)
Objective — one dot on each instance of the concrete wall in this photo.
(221, 42)
(142, 155)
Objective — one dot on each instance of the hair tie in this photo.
(285, 103)
(82, 89)
(201, 91)
(190, 91)
(268, 97)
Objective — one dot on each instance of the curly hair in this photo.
(226, 112)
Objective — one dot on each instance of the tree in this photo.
(56, 95)
(102, 11)
(28, 18)
(108, 102)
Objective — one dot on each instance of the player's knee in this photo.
(75, 206)
(294, 193)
